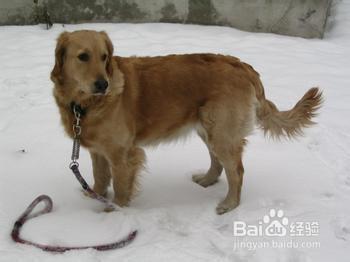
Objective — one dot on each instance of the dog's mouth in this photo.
(100, 92)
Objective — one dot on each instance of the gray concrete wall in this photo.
(16, 12)
(305, 18)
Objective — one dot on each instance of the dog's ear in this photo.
(109, 65)
(60, 52)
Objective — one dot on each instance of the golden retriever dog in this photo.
(132, 102)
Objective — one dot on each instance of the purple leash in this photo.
(15, 234)
(74, 166)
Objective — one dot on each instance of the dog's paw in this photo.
(110, 208)
(204, 180)
(99, 191)
(226, 206)
(122, 201)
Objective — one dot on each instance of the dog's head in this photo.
(84, 61)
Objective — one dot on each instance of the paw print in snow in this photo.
(276, 223)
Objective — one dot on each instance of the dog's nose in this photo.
(101, 86)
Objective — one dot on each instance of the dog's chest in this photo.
(85, 131)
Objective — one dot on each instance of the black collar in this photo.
(77, 108)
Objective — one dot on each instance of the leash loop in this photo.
(74, 166)
(27, 214)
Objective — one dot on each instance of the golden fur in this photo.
(152, 99)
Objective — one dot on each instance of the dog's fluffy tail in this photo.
(289, 123)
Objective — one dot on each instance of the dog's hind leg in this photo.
(102, 173)
(234, 172)
(214, 171)
(226, 130)
(231, 157)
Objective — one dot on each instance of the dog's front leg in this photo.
(101, 172)
(120, 177)
(125, 165)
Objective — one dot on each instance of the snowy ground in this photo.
(309, 179)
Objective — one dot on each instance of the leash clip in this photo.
(77, 132)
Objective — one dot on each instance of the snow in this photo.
(308, 178)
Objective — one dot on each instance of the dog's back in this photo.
(170, 90)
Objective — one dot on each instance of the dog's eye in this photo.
(83, 57)
(104, 57)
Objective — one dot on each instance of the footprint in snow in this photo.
(341, 228)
